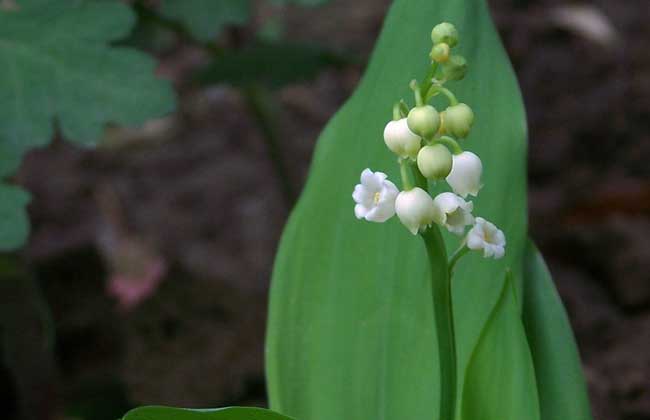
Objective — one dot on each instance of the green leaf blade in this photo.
(560, 380)
(350, 319)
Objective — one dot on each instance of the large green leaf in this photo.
(351, 331)
(560, 381)
(205, 19)
(57, 64)
(229, 413)
(492, 391)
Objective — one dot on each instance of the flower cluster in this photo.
(426, 142)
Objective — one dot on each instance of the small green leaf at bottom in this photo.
(228, 413)
(500, 379)
(560, 380)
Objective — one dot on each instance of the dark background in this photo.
(184, 215)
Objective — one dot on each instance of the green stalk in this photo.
(444, 320)
(419, 179)
(451, 143)
(428, 79)
(407, 184)
(457, 256)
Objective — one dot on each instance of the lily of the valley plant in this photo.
(427, 142)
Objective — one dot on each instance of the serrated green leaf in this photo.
(229, 413)
(500, 378)
(10, 159)
(205, 19)
(57, 63)
(350, 332)
(14, 225)
(270, 64)
(560, 381)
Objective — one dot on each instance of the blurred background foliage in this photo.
(144, 250)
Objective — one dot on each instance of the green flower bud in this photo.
(458, 120)
(435, 162)
(440, 53)
(454, 68)
(424, 121)
(445, 32)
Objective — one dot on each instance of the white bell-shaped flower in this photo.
(401, 140)
(374, 197)
(416, 209)
(456, 211)
(487, 237)
(465, 175)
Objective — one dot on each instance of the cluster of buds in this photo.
(427, 143)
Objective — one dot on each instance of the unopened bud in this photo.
(445, 32)
(440, 53)
(434, 162)
(424, 121)
(454, 68)
(458, 120)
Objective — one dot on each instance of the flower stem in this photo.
(456, 256)
(407, 185)
(428, 79)
(420, 180)
(416, 92)
(436, 89)
(397, 114)
(451, 143)
(444, 320)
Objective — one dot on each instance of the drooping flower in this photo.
(374, 197)
(465, 175)
(416, 209)
(487, 237)
(400, 140)
(456, 211)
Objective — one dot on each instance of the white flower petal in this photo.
(448, 202)
(499, 252)
(360, 211)
(456, 212)
(487, 237)
(362, 196)
(374, 197)
(474, 241)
